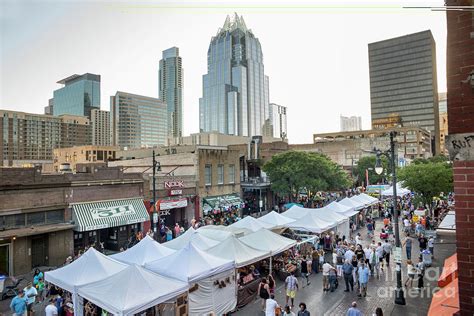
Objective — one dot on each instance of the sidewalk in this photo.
(380, 291)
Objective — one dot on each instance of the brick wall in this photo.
(460, 62)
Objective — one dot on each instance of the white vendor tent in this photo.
(275, 219)
(132, 290)
(401, 191)
(251, 223)
(448, 224)
(328, 213)
(234, 249)
(369, 198)
(92, 266)
(193, 265)
(311, 222)
(296, 212)
(268, 241)
(342, 209)
(191, 236)
(216, 232)
(351, 203)
(146, 250)
(360, 200)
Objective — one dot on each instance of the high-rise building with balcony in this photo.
(235, 98)
(100, 122)
(171, 89)
(138, 121)
(278, 121)
(403, 83)
(80, 94)
(352, 123)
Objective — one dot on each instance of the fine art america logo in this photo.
(114, 211)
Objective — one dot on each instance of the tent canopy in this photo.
(146, 250)
(296, 212)
(190, 236)
(311, 222)
(190, 264)
(369, 198)
(234, 249)
(360, 200)
(216, 232)
(401, 191)
(351, 203)
(448, 223)
(268, 241)
(90, 267)
(342, 209)
(251, 223)
(330, 215)
(275, 219)
(132, 290)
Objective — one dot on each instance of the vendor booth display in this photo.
(275, 220)
(251, 223)
(133, 290)
(92, 266)
(191, 236)
(212, 279)
(146, 250)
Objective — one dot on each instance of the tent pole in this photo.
(271, 265)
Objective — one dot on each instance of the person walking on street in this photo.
(315, 262)
(264, 291)
(305, 270)
(431, 246)
(363, 272)
(291, 287)
(18, 304)
(411, 271)
(347, 271)
(420, 269)
(332, 279)
(303, 311)
(353, 310)
(288, 312)
(326, 268)
(30, 294)
(380, 255)
(271, 306)
(51, 309)
(407, 243)
(373, 262)
(387, 249)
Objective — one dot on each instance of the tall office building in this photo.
(403, 83)
(350, 124)
(278, 121)
(100, 121)
(80, 94)
(138, 121)
(235, 96)
(171, 89)
(48, 110)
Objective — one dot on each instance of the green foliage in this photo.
(293, 171)
(369, 162)
(428, 179)
(435, 159)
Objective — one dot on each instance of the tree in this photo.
(293, 171)
(428, 179)
(367, 163)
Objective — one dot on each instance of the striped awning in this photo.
(104, 214)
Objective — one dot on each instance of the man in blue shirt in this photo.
(347, 271)
(363, 272)
(353, 310)
(18, 304)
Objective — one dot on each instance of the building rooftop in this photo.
(76, 77)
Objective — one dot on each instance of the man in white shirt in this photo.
(51, 309)
(270, 306)
(326, 268)
(30, 294)
(407, 225)
(349, 255)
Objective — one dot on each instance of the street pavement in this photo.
(380, 292)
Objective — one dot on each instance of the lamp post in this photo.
(156, 204)
(390, 154)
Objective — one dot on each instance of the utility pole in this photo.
(156, 204)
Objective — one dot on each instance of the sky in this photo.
(315, 52)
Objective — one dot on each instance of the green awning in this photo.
(222, 200)
(105, 214)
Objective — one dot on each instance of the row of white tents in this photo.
(201, 262)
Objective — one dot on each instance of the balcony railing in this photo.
(255, 180)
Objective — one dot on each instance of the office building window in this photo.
(208, 175)
(231, 173)
(220, 174)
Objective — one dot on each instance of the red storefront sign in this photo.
(174, 184)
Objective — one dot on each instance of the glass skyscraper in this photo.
(235, 88)
(80, 94)
(171, 89)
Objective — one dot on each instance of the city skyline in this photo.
(307, 87)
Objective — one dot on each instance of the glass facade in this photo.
(79, 95)
(138, 121)
(171, 89)
(235, 88)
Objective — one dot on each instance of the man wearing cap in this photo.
(30, 294)
(18, 304)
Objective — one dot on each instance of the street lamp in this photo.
(390, 154)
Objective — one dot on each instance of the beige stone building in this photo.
(214, 139)
(443, 121)
(82, 155)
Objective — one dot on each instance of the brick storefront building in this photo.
(460, 69)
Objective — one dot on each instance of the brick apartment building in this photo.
(44, 218)
(460, 82)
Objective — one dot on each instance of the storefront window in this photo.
(220, 174)
(208, 175)
(231, 173)
(35, 218)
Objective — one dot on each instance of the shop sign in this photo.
(114, 211)
(165, 213)
(174, 184)
(169, 204)
(176, 192)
